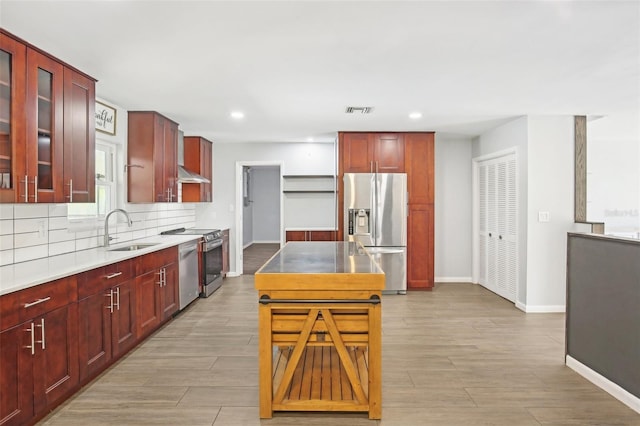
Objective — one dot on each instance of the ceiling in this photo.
(293, 67)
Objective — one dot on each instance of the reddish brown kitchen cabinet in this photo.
(79, 138)
(38, 350)
(151, 158)
(13, 59)
(310, 235)
(47, 136)
(372, 152)
(157, 292)
(106, 309)
(198, 158)
(419, 149)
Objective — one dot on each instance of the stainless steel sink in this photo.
(133, 247)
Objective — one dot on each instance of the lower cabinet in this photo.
(106, 308)
(59, 335)
(38, 356)
(157, 292)
(310, 235)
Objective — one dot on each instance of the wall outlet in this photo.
(543, 217)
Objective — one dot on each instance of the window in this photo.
(105, 186)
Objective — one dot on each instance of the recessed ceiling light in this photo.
(237, 115)
(415, 115)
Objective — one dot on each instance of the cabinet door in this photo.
(147, 302)
(55, 371)
(296, 236)
(159, 178)
(388, 152)
(94, 333)
(123, 319)
(13, 55)
(44, 109)
(206, 170)
(170, 160)
(420, 247)
(420, 165)
(16, 378)
(357, 153)
(79, 138)
(170, 301)
(322, 235)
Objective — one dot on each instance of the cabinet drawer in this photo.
(96, 280)
(29, 303)
(155, 260)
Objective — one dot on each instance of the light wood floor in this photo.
(456, 356)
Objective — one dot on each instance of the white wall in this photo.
(512, 135)
(296, 158)
(550, 189)
(265, 193)
(613, 173)
(453, 209)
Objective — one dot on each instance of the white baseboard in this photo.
(247, 245)
(465, 280)
(266, 242)
(541, 308)
(605, 384)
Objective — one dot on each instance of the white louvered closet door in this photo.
(497, 219)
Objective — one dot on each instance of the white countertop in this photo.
(28, 274)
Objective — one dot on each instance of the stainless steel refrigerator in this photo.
(375, 214)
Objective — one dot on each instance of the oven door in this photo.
(211, 267)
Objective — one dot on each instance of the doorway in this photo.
(496, 223)
(259, 212)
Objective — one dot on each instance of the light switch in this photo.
(543, 217)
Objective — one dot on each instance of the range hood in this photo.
(184, 175)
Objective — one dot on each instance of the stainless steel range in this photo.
(210, 259)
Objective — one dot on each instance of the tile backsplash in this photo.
(34, 231)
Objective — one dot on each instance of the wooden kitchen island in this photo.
(320, 329)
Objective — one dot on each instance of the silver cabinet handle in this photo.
(160, 278)
(110, 296)
(164, 277)
(115, 274)
(35, 188)
(28, 305)
(118, 298)
(41, 325)
(33, 341)
(70, 185)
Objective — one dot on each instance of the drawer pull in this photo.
(115, 274)
(28, 305)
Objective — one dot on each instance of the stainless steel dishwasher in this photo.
(188, 270)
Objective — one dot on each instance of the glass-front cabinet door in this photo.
(45, 87)
(12, 77)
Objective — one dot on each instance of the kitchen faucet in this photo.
(106, 224)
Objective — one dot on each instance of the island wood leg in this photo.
(265, 362)
(375, 362)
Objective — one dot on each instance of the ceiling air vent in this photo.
(361, 110)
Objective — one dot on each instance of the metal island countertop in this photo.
(305, 265)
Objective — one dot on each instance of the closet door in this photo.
(498, 226)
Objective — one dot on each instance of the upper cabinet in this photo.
(372, 152)
(47, 135)
(152, 158)
(198, 157)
